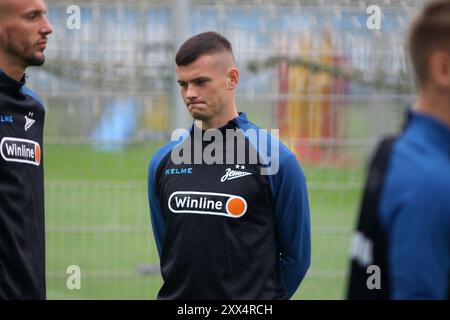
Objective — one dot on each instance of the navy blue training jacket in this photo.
(22, 232)
(228, 231)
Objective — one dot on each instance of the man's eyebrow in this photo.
(195, 79)
(39, 11)
(201, 78)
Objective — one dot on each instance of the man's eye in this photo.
(201, 82)
(32, 16)
(183, 84)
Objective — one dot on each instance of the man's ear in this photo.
(233, 78)
(439, 68)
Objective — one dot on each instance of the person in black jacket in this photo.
(231, 228)
(23, 37)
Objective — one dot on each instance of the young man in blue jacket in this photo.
(235, 225)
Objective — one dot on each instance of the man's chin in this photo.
(35, 61)
(197, 113)
(199, 116)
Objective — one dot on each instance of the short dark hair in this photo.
(204, 43)
(430, 32)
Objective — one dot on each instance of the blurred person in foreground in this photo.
(23, 36)
(226, 229)
(404, 227)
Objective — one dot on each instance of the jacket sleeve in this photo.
(156, 215)
(292, 222)
(419, 244)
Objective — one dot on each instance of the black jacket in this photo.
(22, 233)
(226, 230)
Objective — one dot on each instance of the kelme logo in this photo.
(220, 204)
(20, 150)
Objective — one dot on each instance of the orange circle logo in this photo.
(236, 206)
(37, 151)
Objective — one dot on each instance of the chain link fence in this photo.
(313, 69)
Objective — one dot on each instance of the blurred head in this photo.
(23, 32)
(207, 75)
(429, 46)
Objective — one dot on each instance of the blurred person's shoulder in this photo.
(419, 169)
(422, 153)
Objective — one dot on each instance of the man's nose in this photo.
(46, 27)
(191, 93)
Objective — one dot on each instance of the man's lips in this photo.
(42, 44)
(195, 104)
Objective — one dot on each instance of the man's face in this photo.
(204, 86)
(23, 31)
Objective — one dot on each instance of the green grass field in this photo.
(97, 217)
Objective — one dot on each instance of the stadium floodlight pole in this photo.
(180, 24)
